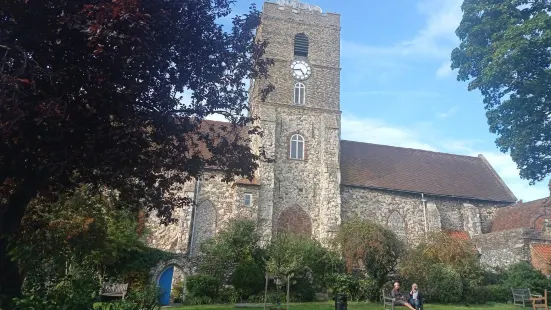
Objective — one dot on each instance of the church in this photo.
(318, 181)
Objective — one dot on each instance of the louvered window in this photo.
(301, 45)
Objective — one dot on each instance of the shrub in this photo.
(442, 252)
(524, 275)
(202, 287)
(309, 263)
(248, 278)
(445, 284)
(487, 294)
(237, 243)
(178, 292)
(356, 286)
(371, 247)
(302, 288)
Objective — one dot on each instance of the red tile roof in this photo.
(541, 256)
(218, 130)
(247, 182)
(520, 215)
(459, 234)
(410, 170)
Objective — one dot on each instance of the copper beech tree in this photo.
(90, 93)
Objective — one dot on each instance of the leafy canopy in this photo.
(90, 93)
(237, 244)
(445, 259)
(369, 247)
(504, 52)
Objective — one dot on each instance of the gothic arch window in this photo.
(300, 93)
(301, 45)
(297, 147)
(397, 224)
(294, 220)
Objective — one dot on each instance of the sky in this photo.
(397, 87)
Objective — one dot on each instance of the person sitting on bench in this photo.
(399, 298)
(415, 297)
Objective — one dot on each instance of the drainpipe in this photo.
(191, 242)
(424, 201)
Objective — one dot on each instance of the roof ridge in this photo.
(498, 178)
(413, 149)
(524, 203)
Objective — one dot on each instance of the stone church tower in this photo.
(318, 181)
(300, 119)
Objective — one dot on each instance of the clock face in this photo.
(300, 70)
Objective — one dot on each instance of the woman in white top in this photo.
(415, 298)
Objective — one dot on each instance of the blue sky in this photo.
(397, 87)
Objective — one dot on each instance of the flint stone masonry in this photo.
(442, 213)
(503, 248)
(306, 196)
(216, 204)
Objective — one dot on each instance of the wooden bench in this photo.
(522, 295)
(389, 302)
(540, 302)
(114, 290)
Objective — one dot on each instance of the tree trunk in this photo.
(11, 215)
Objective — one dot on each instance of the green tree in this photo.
(504, 53)
(525, 275)
(370, 248)
(297, 261)
(68, 247)
(90, 93)
(235, 257)
(443, 265)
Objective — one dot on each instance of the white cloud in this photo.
(380, 132)
(217, 117)
(399, 93)
(186, 100)
(508, 171)
(435, 39)
(444, 70)
(448, 113)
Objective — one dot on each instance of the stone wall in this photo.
(217, 203)
(501, 249)
(441, 213)
(310, 186)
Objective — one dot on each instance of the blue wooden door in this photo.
(165, 284)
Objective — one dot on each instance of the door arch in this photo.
(294, 220)
(169, 272)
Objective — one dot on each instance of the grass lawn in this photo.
(351, 306)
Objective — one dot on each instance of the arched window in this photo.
(397, 225)
(301, 45)
(300, 93)
(297, 147)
